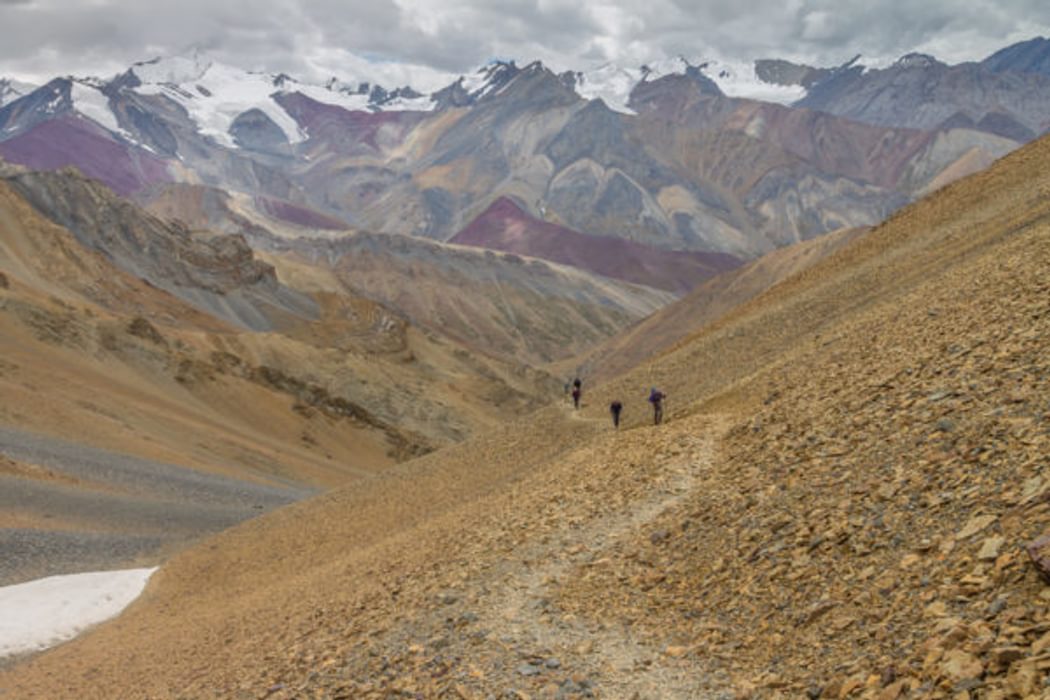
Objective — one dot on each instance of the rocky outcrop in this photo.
(217, 273)
(780, 72)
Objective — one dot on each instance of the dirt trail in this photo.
(521, 613)
(491, 623)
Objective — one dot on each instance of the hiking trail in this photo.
(522, 612)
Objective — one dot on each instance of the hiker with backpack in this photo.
(656, 398)
(577, 391)
(615, 408)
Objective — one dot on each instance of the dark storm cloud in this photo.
(48, 37)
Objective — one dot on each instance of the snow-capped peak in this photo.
(614, 83)
(89, 101)
(174, 70)
(740, 79)
(11, 90)
(611, 84)
(489, 79)
(215, 94)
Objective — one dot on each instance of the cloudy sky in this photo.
(424, 40)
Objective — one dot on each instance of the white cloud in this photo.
(43, 38)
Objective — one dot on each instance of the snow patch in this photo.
(90, 102)
(172, 69)
(11, 90)
(613, 83)
(738, 79)
(42, 613)
(355, 102)
(217, 95)
(409, 104)
(609, 83)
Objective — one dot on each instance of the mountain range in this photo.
(676, 155)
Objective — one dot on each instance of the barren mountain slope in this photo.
(854, 533)
(526, 310)
(94, 358)
(496, 304)
(657, 333)
(881, 481)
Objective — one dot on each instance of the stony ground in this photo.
(489, 625)
(866, 532)
(68, 508)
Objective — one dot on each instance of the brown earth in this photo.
(837, 507)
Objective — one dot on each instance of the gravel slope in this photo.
(126, 509)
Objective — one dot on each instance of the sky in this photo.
(423, 41)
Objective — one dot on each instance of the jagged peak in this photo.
(282, 79)
(917, 60)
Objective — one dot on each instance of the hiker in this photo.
(577, 383)
(576, 397)
(615, 408)
(656, 398)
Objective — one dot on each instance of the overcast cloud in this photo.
(421, 41)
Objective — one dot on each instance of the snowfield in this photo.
(42, 613)
(214, 94)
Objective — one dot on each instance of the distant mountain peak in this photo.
(174, 70)
(1031, 56)
(917, 60)
(11, 90)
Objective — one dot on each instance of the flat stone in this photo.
(959, 665)
(528, 670)
(974, 525)
(990, 548)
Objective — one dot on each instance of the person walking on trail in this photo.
(615, 408)
(656, 398)
(577, 392)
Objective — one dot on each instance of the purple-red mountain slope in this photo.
(505, 226)
(69, 140)
(298, 215)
